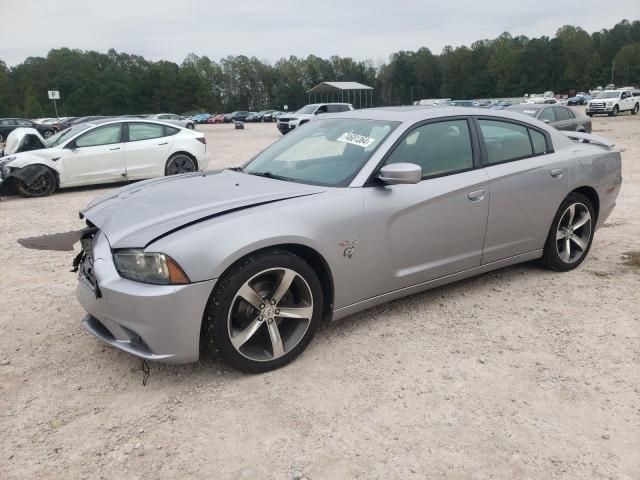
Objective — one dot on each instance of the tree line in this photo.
(114, 83)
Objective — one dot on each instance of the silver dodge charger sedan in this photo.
(347, 212)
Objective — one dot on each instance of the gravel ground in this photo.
(520, 373)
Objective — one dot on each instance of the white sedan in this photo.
(102, 151)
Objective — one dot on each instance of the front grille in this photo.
(597, 106)
(284, 120)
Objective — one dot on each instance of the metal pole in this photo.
(56, 109)
(613, 69)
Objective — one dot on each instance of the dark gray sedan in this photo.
(557, 116)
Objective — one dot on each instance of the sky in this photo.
(272, 29)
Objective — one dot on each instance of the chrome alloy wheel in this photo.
(270, 314)
(574, 233)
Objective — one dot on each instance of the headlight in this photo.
(156, 268)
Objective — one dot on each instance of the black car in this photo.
(240, 116)
(8, 125)
(557, 116)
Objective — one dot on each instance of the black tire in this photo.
(589, 114)
(551, 257)
(636, 107)
(190, 126)
(43, 185)
(219, 318)
(1, 138)
(615, 111)
(180, 163)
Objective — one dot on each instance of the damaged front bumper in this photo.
(154, 322)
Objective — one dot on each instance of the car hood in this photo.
(17, 138)
(136, 215)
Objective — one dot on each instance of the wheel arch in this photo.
(29, 172)
(593, 197)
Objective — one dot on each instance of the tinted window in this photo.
(505, 141)
(24, 123)
(539, 142)
(547, 114)
(101, 136)
(321, 109)
(562, 113)
(168, 131)
(145, 131)
(439, 148)
(337, 108)
(7, 122)
(164, 117)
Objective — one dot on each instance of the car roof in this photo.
(417, 113)
(528, 106)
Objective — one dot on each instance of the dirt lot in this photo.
(521, 373)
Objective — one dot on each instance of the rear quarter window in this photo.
(505, 141)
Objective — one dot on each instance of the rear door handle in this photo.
(115, 148)
(476, 195)
(164, 143)
(556, 173)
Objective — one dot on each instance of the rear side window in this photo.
(4, 123)
(505, 141)
(168, 131)
(439, 148)
(104, 135)
(538, 141)
(145, 131)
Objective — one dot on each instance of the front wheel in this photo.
(180, 163)
(190, 126)
(635, 109)
(42, 185)
(264, 311)
(571, 234)
(615, 111)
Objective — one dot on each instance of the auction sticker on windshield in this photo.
(356, 139)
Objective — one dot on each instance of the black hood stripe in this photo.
(225, 212)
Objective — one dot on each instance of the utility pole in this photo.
(613, 68)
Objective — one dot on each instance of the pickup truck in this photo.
(613, 102)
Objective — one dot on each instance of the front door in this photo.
(420, 232)
(96, 156)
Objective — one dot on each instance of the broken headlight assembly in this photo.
(4, 166)
(148, 267)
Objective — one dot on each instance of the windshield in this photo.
(308, 109)
(326, 152)
(609, 95)
(62, 136)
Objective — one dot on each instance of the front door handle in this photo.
(164, 143)
(476, 195)
(556, 173)
(115, 148)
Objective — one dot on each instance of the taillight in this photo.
(202, 140)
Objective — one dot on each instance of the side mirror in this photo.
(400, 173)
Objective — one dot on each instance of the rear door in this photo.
(96, 156)
(147, 149)
(564, 119)
(528, 183)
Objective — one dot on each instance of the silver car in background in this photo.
(175, 119)
(347, 212)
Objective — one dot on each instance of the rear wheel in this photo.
(44, 184)
(264, 311)
(636, 107)
(180, 163)
(190, 126)
(571, 234)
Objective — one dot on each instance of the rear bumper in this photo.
(155, 322)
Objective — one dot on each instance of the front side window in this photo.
(548, 115)
(505, 141)
(439, 148)
(327, 152)
(562, 113)
(164, 117)
(145, 131)
(104, 135)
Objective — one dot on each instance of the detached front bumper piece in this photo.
(155, 322)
